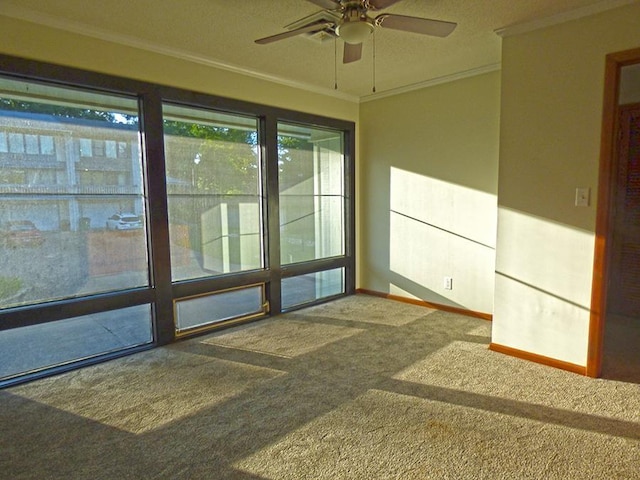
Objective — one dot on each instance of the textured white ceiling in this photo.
(223, 32)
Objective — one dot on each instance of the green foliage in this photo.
(9, 286)
(227, 157)
(65, 111)
(209, 132)
(295, 160)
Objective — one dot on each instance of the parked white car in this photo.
(124, 221)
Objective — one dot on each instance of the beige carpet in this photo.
(362, 388)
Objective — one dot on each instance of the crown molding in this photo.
(563, 17)
(24, 14)
(432, 82)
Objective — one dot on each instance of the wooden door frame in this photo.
(604, 217)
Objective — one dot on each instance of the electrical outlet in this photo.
(448, 283)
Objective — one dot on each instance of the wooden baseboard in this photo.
(532, 357)
(422, 303)
(496, 347)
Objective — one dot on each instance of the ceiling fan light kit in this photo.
(354, 32)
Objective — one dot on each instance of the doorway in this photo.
(615, 313)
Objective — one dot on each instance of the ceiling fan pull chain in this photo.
(335, 63)
(374, 61)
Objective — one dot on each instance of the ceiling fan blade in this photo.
(352, 52)
(425, 26)
(380, 4)
(313, 27)
(326, 4)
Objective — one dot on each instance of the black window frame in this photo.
(162, 292)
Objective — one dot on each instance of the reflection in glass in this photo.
(210, 309)
(311, 176)
(312, 286)
(214, 190)
(33, 348)
(58, 188)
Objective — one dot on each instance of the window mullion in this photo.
(270, 153)
(157, 208)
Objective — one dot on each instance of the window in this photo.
(311, 171)
(99, 334)
(33, 145)
(120, 231)
(111, 150)
(310, 287)
(70, 222)
(123, 150)
(28, 143)
(98, 148)
(16, 143)
(214, 183)
(201, 311)
(55, 247)
(85, 147)
(46, 145)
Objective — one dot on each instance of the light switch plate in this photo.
(582, 196)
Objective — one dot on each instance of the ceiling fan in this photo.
(354, 25)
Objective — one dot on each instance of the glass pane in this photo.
(46, 145)
(85, 147)
(312, 201)
(16, 143)
(110, 148)
(207, 310)
(215, 195)
(28, 349)
(312, 286)
(32, 144)
(64, 222)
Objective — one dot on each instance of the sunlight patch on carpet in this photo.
(282, 338)
(369, 309)
(472, 367)
(148, 390)
(430, 439)
(483, 330)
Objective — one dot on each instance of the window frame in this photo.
(161, 293)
